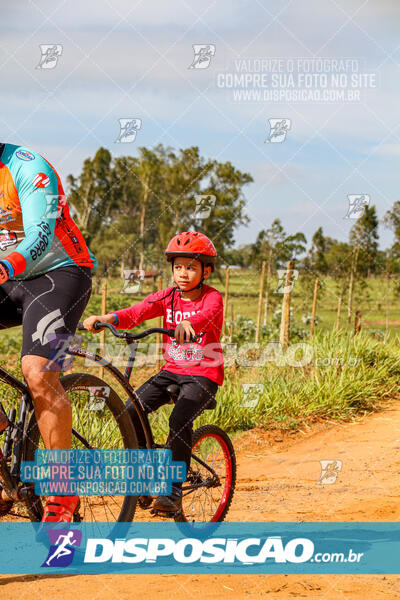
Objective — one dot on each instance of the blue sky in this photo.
(130, 59)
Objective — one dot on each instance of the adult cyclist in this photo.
(45, 283)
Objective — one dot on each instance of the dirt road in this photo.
(277, 481)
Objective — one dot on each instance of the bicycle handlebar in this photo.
(132, 336)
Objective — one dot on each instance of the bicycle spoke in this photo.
(99, 429)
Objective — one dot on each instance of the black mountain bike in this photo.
(101, 421)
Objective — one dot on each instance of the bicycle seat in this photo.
(173, 391)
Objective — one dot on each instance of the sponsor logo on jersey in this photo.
(25, 155)
(7, 238)
(5, 215)
(41, 181)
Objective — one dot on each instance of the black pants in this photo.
(195, 394)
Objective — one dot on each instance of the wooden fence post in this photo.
(357, 322)
(260, 299)
(314, 308)
(267, 287)
(227, 276)
(158, 335)
(103, 312)
(285, 320)
(387, 301)
(339, 308)
(351, 282)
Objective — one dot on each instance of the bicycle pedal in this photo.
(145, 502)
(155, 512)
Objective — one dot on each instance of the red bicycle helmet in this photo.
(194, 245)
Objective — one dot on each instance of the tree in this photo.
(338, 258)
(275, 245)
(129, 208)
(239, 256)
(364, 235)
(93, 195)
(391, 220)
(315, 261)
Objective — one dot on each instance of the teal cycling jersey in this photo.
(37, 232)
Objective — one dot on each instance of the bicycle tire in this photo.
(79, 381)
(229, 454)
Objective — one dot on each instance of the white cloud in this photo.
(387, 149)
(93, 89)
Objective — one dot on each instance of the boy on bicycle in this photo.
(192, 308)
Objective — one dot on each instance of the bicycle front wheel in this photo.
(208, 491)
(99, 420)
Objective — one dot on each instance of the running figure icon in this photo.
(62, 542)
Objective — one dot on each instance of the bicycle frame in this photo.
(14, 435)
(15, 430)
(123, 379)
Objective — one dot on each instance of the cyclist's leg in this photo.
(52, 306)
(196, 393)
(152, 394)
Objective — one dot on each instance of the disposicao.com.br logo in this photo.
(246, 551)
(169, 547)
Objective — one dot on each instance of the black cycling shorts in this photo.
(48, 307)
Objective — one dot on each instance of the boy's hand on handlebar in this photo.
(90, 321)
(184, 331)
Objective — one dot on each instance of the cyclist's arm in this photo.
(38, 216)
(211, 316)
(127, 318)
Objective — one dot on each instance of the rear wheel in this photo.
(99, 420)
(208, 491)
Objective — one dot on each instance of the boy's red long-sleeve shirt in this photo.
(204, 357)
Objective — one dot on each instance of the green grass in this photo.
(293, 396)
(336, 388)
(244, 293)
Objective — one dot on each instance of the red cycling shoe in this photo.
(60, 509)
